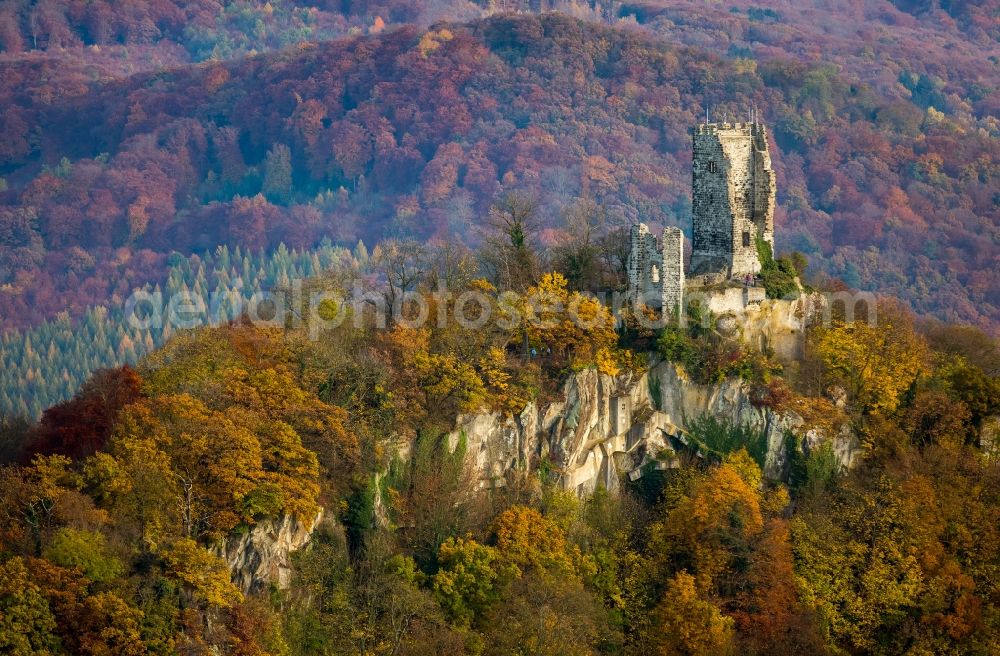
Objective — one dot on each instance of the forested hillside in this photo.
(47, 363)
(318, 481)
(222, 29)
(887, 173)
(115, 504)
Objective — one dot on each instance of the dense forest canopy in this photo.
(48, 363)
(235, 146)
(887, 172)
(116, 503)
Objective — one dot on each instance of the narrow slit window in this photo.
(746, 239)
(712, 168)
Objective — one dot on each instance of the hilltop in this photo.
(438, 489)
(504, 464)
(413, 132)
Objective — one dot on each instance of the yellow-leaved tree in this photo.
(711, 528)
(857, 564)
(204, 575)
(298, 433)
(875, 363)
(531, 542)
(686, 624)
(176, 466)
(570, 325)
(502, 391)
(431, 385)
(215, 462)
(470, 578)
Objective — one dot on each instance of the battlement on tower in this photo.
(736, 128)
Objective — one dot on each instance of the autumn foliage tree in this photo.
(572, 326)
(877, 363)
(79, 427)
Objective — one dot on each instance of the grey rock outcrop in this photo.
(599, 432)
(262, 556)
(989, 437)
(605, 428)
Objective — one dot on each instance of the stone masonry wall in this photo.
(655, 274)
(733, 197)
(738, 148)
(765, 189)
(712, 229)
(733, 206)
(636, 254)
(673, 272)
(644, 267)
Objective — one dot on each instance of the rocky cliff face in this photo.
(604, 429)
(262, 556)
(989, 437)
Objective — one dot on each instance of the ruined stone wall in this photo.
(737, 145)
(672, 288)
(644, 267)
(733, 197)
(655, 274)
(765, 189)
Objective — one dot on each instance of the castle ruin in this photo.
(733, 191)
(655, 272)
(733, 198)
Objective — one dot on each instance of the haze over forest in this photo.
(751, 472)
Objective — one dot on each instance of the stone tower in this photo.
(733, 198)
